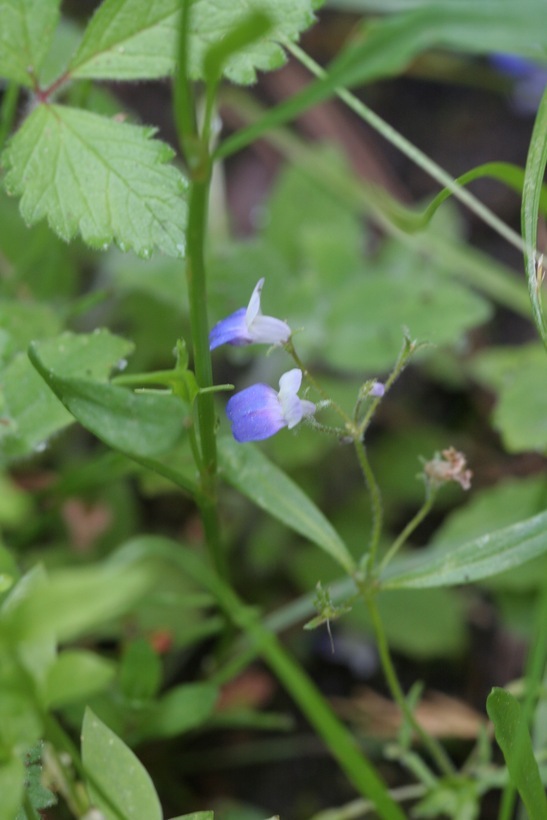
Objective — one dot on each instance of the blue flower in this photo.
(248, 326)
(259, 412)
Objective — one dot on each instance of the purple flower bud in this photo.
(377, 390)
(260, 412)
(249, 326)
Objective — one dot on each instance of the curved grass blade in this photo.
(515, 742)
(531, 203)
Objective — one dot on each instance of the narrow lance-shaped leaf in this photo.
(514, 740)
(26, 32)
(480, 558)
(107, 180)
(247, 469)
(531, 198)
(136, 39)
(140, 424)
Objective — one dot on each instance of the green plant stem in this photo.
(7, 111)
(409, 529)
(184, 108)
(339, 740)
(197, 294)
(369, 558)
(196, 152)
(434, 748)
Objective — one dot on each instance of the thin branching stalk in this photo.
(410, 527)
(434, 748)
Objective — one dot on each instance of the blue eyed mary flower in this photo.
(259, 412)
(249, 326)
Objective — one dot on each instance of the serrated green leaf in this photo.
(137, 424)
(26, 31)
(488, 555)
(75, 675)
(35, 411)
(514, 740)
(106, 180)
(136, 39)
(249, 471)
(121, 777)
(128, 40)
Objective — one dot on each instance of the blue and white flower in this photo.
(249, 326)
(259, 412)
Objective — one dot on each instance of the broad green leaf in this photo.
(75, 675)
(128, 40)
(36, 654)
(250, 472)
(12, 782)
(75, 601)
(368, 314)
(514, 740)
(104, 179)
(139, 424)
(35, 257)
(26, 31)
(140, 671)
(518, 374)
(521, 412)
(180, 710)
(136, 39)
(20, 724)
(124, 786)
(533, 180)
(24, 321)
(35, 411)
(488, 555)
